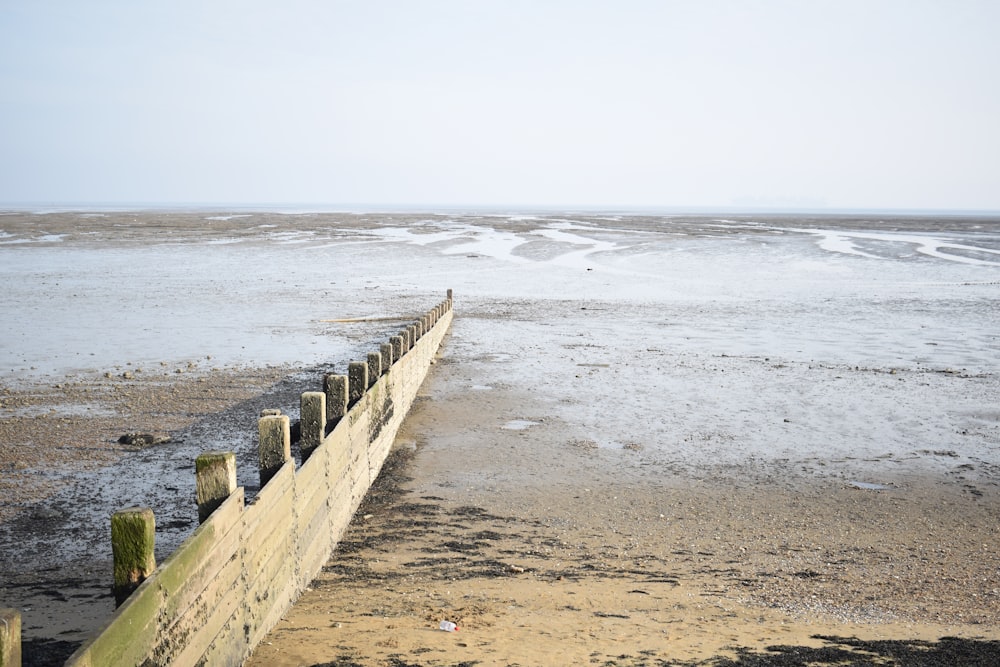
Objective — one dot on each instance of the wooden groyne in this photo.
(213, 599)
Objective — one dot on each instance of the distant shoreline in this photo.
(43, 208)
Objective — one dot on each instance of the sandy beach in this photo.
(548, 557)
(647, 440)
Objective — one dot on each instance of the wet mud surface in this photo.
(55, 551)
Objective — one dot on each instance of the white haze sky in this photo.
(577, 103)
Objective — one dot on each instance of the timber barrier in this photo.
(213, 599)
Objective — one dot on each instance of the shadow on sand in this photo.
(848, 651)
(839, 651)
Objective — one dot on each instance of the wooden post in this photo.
(133, 537)
(10, 638)
(397, 346)
(214, 480)
(374, 367)
(312, 420)
(387, 357)
(450, 296)
(404, 336)
(357, 376)
(337, 396)
(275, 445)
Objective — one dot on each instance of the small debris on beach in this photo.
(143, 439)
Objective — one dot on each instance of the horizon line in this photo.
(365, 207)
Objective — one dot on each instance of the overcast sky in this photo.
(617, 103)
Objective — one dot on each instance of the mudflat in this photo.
(647, 440)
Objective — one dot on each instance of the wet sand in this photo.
(682, 449)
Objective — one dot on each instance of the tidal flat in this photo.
(733, 432)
